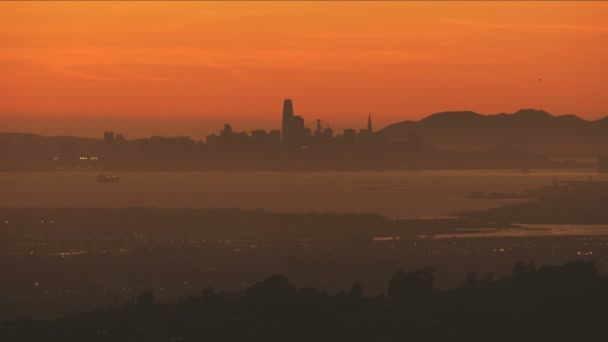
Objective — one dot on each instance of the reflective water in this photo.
(394, 194)
(532, 230)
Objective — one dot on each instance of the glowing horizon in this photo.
(182, 63)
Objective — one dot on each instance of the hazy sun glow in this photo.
(210, 62)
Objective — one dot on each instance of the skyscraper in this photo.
(369, 123)
(287, 118)
(287, 108)
(108, 137)
(292, 126)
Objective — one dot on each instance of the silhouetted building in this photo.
(108, 137)
(262, 138)
(258, 136)
(212, 141)
(365, 135)
(275, 136)
(287, 118)
(227, 131)
(228, 140)
(293, 126)
(319, 130)
(349, 135)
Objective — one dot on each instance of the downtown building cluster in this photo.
(294, 135)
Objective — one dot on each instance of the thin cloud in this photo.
(154, 64)
(540, 27)
(116, 64)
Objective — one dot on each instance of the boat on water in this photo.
(102, 178)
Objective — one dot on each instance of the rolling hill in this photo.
(546, 133)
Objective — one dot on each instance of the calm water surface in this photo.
(532, 230)
(393, 194)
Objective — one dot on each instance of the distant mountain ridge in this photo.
(467, 130)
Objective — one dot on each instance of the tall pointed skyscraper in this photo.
(369, 123)
(287, 108)
(293, 126)
(287, 118)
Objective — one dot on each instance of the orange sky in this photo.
(185, 68)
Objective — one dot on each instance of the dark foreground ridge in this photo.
(59, 260)
(551, 302)
(54, 261)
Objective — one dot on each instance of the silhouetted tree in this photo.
(521, 268)
(270, 295)
(564, 302)
(356, 291)
(404, 287)
(145, 302)
(472, 280)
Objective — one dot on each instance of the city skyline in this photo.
(201, 128)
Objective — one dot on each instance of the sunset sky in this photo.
(185, 68)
